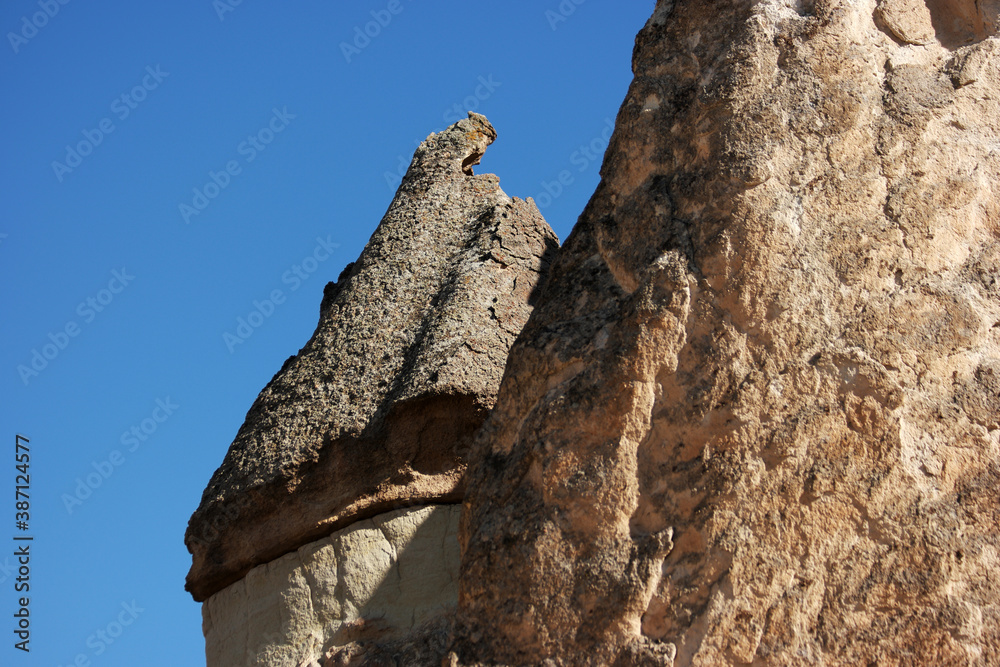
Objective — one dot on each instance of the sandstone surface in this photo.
(754, 417)
(377, 580)
(378, 410)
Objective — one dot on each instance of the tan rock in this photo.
(907, 20)
(953, 23)
(752, 418)
(378, 410)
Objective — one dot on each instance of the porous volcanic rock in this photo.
(378, 410)
(753, 417)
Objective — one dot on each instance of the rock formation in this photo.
(375, 413)
(754, 416)
(374, 581)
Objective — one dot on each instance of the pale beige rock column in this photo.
(755, 415)
(377, 580)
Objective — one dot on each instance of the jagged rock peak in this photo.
(378, 409)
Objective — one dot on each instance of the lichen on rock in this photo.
(377, 411)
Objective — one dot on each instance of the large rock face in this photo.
(755, 415)
(378, 410)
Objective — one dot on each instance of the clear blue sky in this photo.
(116, 302)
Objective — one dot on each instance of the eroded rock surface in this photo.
(378, 409)
(377, 580)
(753, 417)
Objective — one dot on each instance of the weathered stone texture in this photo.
(378, 579)
(379, 408)
(753, 417)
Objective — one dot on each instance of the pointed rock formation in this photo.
(753, 418)
(378, 410)
(755, 414)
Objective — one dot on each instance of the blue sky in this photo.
(166, 166)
